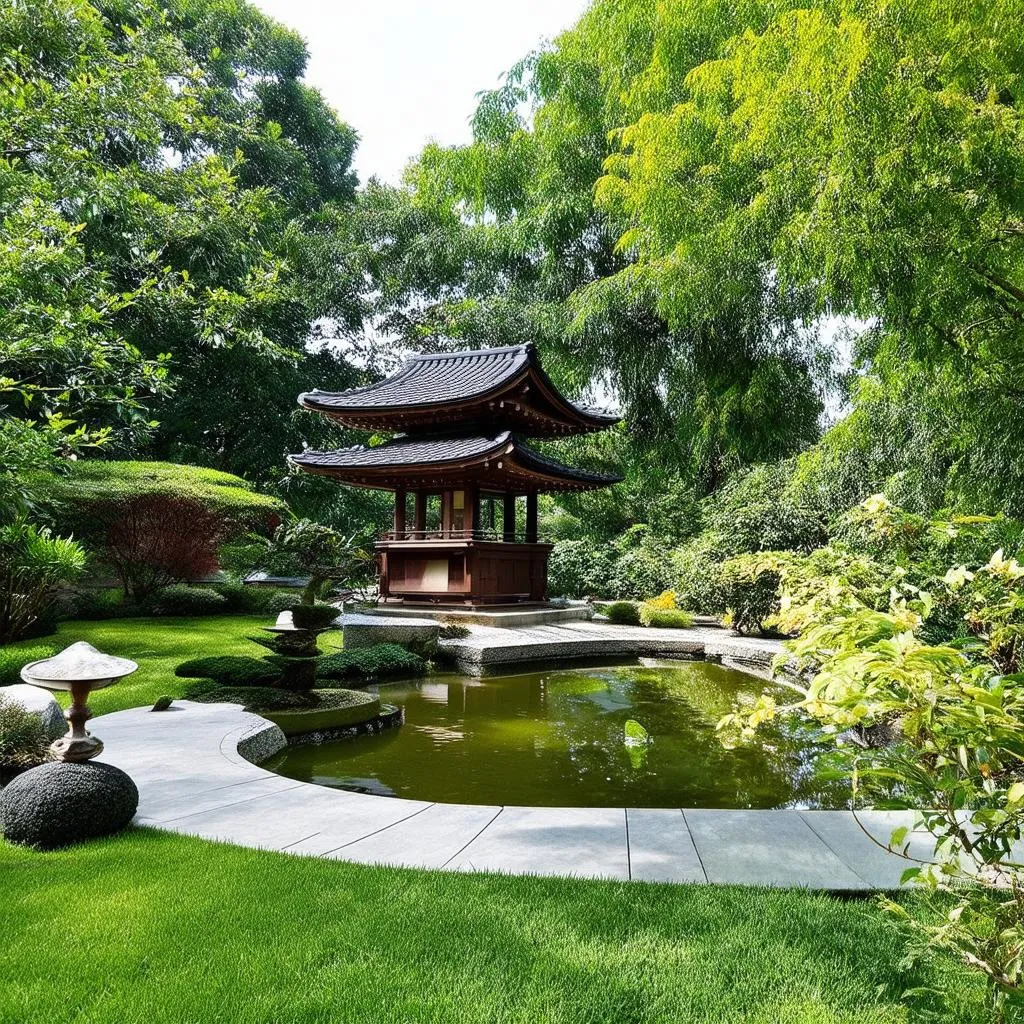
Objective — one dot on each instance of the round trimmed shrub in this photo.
(623, 613)
(379, 661)
(229, 670)
(61, 803)
(665, 618)
(282, 602)
(314, 616)
(183, 600)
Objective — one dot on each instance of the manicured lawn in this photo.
(151, 928)
(158, 645)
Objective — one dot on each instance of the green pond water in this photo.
(557, 738)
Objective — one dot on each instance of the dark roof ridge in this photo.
(528, 347)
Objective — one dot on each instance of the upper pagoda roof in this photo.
(502, 388)
(499, 461)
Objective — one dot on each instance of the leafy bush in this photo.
(229, 670)
(751, 588)
(453, 632)
(640, 571)
(23, 741)
(828, 581)
(580, 568)
(697, 569)
(96, 604)
(34, 564)
(183, 600)
(282, 601)
(13, 659)
(956, 753)
(755, 511)
(624, 613)
(379, 661)
(154, 523)
(241, 598)
(665, 618)
(314, 616)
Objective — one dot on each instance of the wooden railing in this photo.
(518, 537)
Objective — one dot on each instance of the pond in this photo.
(557, 738)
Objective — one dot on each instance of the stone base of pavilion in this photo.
(497, 615)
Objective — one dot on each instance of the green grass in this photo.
(152, 928)
(158, 645)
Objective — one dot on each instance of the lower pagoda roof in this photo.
(499, 461)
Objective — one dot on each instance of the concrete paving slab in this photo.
(426, 840)
(588, 842)
(661, 848)
(270, 822)
(748, 847)
(166, 800)
(853, 843)
(348, 818)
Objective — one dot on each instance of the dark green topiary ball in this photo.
(61, 803)
(314, 616)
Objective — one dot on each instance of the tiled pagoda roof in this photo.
(499, 460)
(498, 387)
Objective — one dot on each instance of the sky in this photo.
(404, 72)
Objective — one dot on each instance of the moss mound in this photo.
(378, 662)
(229, 670)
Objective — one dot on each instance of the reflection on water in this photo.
(557, 739)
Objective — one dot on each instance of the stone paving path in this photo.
(192, 779)
(490, 648)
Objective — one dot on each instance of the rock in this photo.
(416, 635)
(60, 803)
(39, 702)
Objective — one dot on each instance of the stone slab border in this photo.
(193, 767)
(487, 650)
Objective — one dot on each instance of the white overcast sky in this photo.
(403, 72)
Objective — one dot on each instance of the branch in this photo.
(1000, 282)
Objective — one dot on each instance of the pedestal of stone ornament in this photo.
(78, 745)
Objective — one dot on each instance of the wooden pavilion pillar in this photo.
(420, 515)
(508, 518)
(400, 514)
(472, 500)
(531, 518)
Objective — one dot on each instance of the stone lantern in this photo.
(79, 669)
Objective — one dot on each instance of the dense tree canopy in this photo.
(175, 217)
(674, 197)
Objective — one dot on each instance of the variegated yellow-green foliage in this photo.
(944, 729)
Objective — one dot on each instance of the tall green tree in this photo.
(501, 241)
(853, 158)
(174, 216)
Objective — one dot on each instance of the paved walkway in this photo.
(193, 779)
(491, 648)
